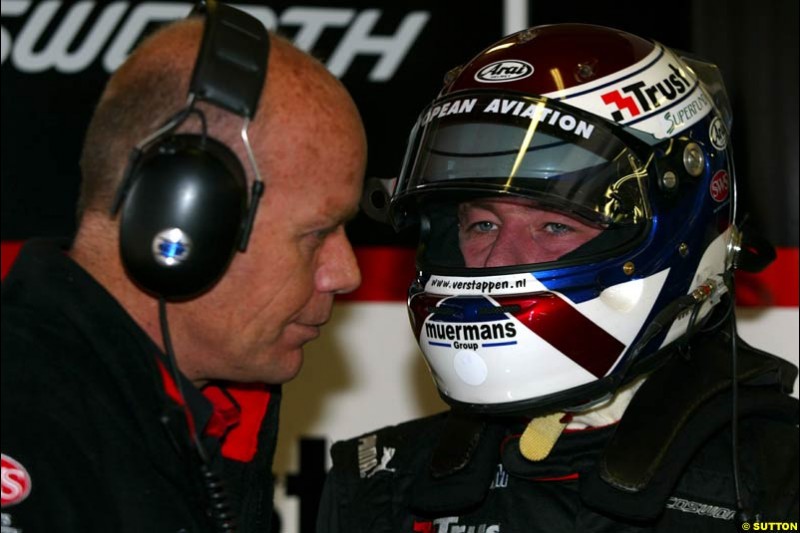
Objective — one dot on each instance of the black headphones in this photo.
(183, 198)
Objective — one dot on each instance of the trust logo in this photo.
(626, 103)
(643, 96)
(451, 524)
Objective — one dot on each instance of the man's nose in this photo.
(338, 270)
(507, 249)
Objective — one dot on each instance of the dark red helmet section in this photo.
(562, 56)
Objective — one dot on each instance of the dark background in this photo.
(45, 110)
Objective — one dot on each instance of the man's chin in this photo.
(274, 368)
(289, 366)
(283, 367)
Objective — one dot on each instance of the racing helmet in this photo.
(554, 131)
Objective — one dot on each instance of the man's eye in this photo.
(322, 234)
(557, 228)
(317, 237)
(483, 226)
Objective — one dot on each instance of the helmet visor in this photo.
(501, 179)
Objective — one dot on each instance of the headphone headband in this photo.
(232, 64)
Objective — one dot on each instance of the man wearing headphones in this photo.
(142, 366)
(573, 186)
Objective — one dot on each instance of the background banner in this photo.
(365, 371)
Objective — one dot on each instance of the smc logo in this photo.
(16, 483)
(503, 71)
(719, 186)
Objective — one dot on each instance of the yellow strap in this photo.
(541, 435)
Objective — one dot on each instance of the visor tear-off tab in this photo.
(541, 434)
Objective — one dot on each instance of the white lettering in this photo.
(567, 123)
(455, 109)
(392, 50)
(56, 54)
(530, 111)
(537, 112)
(688, 506)
(500, 479)
(10, 484)
(30, 53)
(584, 130)
(449, 108)
(367, 454)
(10, 8)
(449, 524)
(493, 107)
(467, 105)
(313, 21)
(508, 105)
(141, 16)
(442, 525)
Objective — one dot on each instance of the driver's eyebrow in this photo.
(476, 204)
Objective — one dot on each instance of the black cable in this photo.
(657, 325)
(690, 327)
(684, 344)
(219, 506)
(728, 310)
(744, 514)
(162, 316)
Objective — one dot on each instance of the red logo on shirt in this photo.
(16, 482)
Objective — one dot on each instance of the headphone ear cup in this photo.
(182, 217)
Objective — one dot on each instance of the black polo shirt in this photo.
(94, 437)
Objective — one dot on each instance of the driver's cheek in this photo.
(474, 249)
(544, 246)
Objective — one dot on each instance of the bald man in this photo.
(100, 431)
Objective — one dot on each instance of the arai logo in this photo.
(503, 71)
(718, 134)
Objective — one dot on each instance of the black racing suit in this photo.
(89, 411)
(666, 466)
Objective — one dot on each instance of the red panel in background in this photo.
(9, 252)
(387, 272)
(777, 285)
